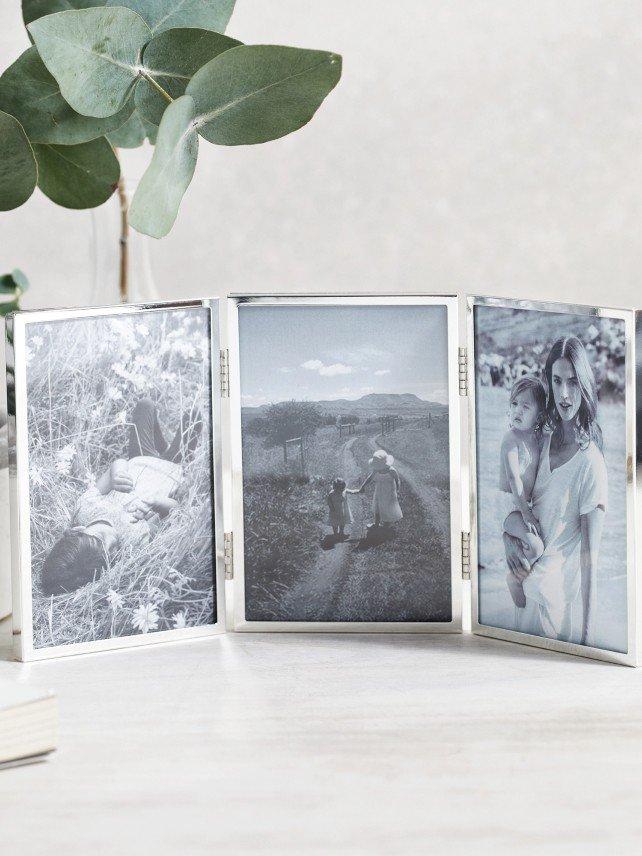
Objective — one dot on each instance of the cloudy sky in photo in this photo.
(327, 352)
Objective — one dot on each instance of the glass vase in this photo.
(122, 269)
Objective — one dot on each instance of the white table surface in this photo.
(332, 744)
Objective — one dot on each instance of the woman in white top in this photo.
(569, 500)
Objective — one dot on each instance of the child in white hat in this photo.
(385, 502)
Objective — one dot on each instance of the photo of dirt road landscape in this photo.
(384, 415)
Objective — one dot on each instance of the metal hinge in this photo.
(224, 372)
(228, 554)
(463, 371)
(465, 555)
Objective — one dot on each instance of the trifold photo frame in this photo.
(373, 457)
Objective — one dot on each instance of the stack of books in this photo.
(28, 723)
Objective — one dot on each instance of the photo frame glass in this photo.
(114, 476)
(553, 512)
(346, 463)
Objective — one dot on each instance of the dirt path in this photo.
(347, 583)
(313, 597)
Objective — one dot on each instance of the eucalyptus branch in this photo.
(123, 278)
(90, 82)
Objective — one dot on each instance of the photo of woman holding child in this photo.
(548, 526)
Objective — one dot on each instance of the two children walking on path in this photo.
(385, 501)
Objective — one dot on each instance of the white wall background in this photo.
(475, 145)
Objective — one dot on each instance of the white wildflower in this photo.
(178, 620)
(139, 382)
(120, 370)
(145, 618)
(35, 476)
(114, 393)
(64, 457)
(115, 599)
(121, 417)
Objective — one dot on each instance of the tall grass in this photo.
(84, 378)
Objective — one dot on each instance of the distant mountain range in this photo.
(373, 404)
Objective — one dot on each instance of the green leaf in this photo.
(81, 176)
(168, 14)
(18, 170)
(255, 93)
(15, 283)
(11, 306)
(34, 9)
(245, 95)
(20, 279)
(94, 54)
(172, 58)
(30, 93)
(7, 285)
(133, 133)
(155, 204)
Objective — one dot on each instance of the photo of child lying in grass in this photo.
(120, 478)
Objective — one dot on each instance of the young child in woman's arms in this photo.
(520, 453)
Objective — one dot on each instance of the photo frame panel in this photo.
(240, 303)
(18, 326)
(627, 489)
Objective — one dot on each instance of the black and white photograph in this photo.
(551, 475)
(120, 474)
(345, 453)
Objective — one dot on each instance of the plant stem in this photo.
(157, 87)
(123, 278)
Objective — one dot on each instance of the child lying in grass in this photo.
(125, 505)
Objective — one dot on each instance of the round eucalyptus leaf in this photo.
(172, 58)
(81, 176)
(34, 9)
(30, 93)
(255, 93)
(14, 282)
(133, 133)
(20, 280)
(7, 285)
(94, 55)
(18, 170)
(163, 15)
(158, 196)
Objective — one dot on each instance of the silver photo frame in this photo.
(18, 327)
(227, 468)
(241, 620)
(628, 317)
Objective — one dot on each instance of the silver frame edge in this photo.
(21, 578)
(450, 301)
(628, 316)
